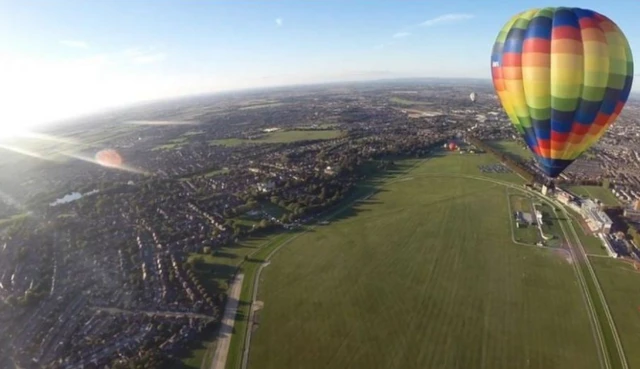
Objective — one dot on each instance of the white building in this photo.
(596, 219)
(545, 189)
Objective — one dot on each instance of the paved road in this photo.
(229, 319)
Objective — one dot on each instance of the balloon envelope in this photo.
(563, 76)
(109, 158)
(472, 96)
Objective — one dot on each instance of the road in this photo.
(167, 314)
(228, 320)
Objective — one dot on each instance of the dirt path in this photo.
(228, 320)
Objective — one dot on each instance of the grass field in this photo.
(12, 219)
(260, 106)
(511, 147)
(526, 234)
(173, 144)
(283, 137)
(422, 275)
(405, 102)
(550, 225)
(621, 286)
(596, 192)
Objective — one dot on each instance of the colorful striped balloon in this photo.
(562, 76)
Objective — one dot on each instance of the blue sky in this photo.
(62, 58)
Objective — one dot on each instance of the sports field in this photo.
(422, 275)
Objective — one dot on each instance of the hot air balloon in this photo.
(473, 96)
(109, 158)
(452, 146)
(563, 76)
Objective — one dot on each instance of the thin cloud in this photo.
(75, 44)
(446, 19)
(401, 34)
(279, 22)
(149, 58)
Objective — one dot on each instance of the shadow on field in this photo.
(224, 254)
(349, 213)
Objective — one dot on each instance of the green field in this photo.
(173, 144)
(260, 106)
(422, 275)
(515, 148)
(526, 233)
(596, 192)
(621, 286)
(550, 224)
(12, 219)
(283, 137)
(405, 102)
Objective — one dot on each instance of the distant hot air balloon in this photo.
(452, 146)
(563, 76)
(473, 96)
(109, 158)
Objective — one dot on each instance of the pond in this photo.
(71, 197)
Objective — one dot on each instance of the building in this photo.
(565, 197)
(608, 244)
(596, 219)
(632, 214)
(636, 205)
(545, 190)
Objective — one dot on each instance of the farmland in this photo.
(283, 137)
(422, 275)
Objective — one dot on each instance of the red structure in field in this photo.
(452, 146)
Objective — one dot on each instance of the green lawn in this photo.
(515, 148)
(173, 144)
(283, 137)
(260, 106)
(422, 275)
(596, 192)
(620, 283)
(401, 101)
(550, 224)
(526, 233)
(12, 219)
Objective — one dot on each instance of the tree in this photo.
(285, 218)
